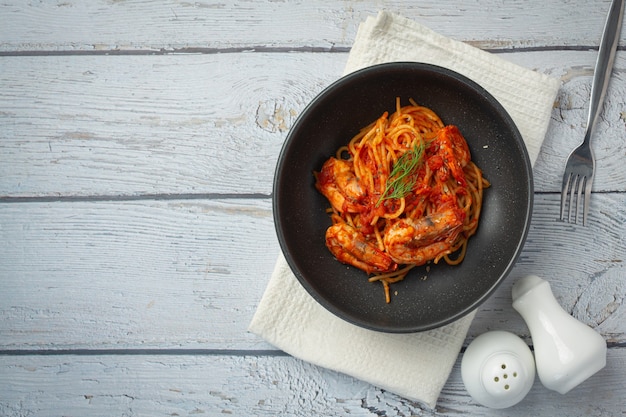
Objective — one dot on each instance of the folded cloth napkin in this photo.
(415, 366)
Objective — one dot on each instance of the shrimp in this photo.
(340, 185)
(451, 156)
(417, 241)
(350, 247)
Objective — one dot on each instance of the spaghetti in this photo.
(403, 192)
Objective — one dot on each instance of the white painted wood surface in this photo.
(137, 146)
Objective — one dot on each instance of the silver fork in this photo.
(580, 165)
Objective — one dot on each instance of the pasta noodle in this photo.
(403, 192)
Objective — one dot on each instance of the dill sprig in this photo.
(402, 177)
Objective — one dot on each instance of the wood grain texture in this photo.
(189, 273)
(151, 125)
(173, 25)
(173, 273)
(187, 124)
(170, 385)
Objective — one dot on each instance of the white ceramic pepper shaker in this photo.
(498, 369)
(567, 351)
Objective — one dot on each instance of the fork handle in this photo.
(604, 63)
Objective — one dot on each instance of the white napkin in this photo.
(415, 366)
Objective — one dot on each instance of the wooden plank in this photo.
(189, 273)
(150, 125)
(250, 385)
(177, 25)
(160, 273)
(132, 125)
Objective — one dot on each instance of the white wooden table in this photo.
(138, 142)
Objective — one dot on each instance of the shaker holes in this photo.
(504, 376)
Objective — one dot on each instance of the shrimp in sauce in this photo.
(417, 241)
(450, 155)
(350, 247)
(340, 185)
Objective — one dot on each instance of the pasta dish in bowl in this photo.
(406, 175)
(404, 191)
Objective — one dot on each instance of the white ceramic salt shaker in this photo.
(498, 369)
(567, 351)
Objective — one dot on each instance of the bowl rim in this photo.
(288, 142)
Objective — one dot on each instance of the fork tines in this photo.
(572, 193)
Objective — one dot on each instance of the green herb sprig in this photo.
(402, 177)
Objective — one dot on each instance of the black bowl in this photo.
(449, 292)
